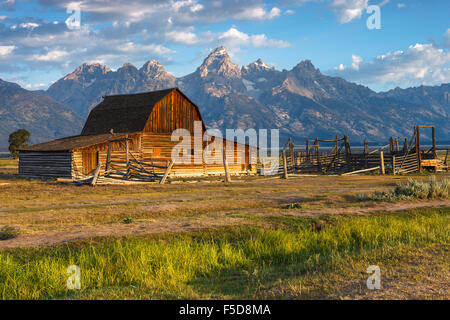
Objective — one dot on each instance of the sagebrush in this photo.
(413, 189)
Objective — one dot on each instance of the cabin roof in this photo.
(125, 112)
(74, 142)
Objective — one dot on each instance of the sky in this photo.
(381, 44)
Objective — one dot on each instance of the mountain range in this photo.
(301, 102)
(42, 116)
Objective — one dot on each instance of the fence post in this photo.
(127, 158)
(225, 165)
(391, 144)
(366, 152)
(108, 159)
(419, 156)
(285, 164)
(382, 162)
(348, 153)
(336, 153)
(393, 165)
(307, 149)
(433, 136)
(319, 165)
(291, 153)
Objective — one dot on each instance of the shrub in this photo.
(413, 189)
(9, 232)
(128, 220)
(294, 205)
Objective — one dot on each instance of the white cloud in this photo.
(183, 37)
(275, 12)
(35, 86)
(6, 50)
(419, 64)
(257, 13)
(289, 12)
(348, 10)
(50, 56)
(131, 47)
(232, 38)
(447, 38)
(356, 61)
(401, 5)
(29, 25)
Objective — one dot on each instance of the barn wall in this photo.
(157, 149)
(172, 112)
(45, 164)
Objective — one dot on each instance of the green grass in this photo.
(231, 262)
(7, 162)
(9, 232)
(413, 189)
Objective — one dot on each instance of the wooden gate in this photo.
(405, 164)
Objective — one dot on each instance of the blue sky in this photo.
(411, 48)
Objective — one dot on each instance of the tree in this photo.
(17, 140)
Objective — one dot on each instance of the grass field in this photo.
(301, 238)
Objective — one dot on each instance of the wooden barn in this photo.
(129, 137)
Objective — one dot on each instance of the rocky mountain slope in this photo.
(42, 116)
(83, 89)
(301, 102)
(436, 98)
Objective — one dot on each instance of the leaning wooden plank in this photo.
(361, 171)
(166, 174)
(285, 165)
(225, 166)
(382, 171)
(96, 174)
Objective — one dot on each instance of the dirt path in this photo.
(382, 207)
(184, 224)
(119, 230)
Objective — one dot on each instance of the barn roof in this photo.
(124, 113)
(74, 142)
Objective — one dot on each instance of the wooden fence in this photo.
(340, 159)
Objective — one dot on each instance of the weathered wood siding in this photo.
(157, 149)
(84, 166)
(172, 112)
(176, 112)
(45, 164)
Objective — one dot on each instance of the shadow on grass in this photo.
(5, 175)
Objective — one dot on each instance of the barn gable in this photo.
(174, 111)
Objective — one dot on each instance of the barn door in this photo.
(90, 161)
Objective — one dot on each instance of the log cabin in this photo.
(131, 135)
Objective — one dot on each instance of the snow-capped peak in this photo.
(220, 51)
(261, 64)
(258, 65)
(152, 67)
(219, 62)
(88, 70)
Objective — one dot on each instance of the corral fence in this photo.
(335, 156)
